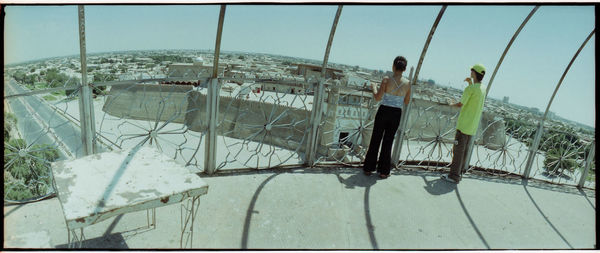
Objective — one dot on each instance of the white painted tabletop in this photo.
(100, 186)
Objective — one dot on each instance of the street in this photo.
(38, 123)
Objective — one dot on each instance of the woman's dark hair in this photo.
(400, 63)
(478, 76)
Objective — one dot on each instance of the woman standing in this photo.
(395, 92)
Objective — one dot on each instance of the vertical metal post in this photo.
(405, 113)
(212, 104)
(538, 135)
(472, 140)
(588, 164)
(312, 146)
(86, 107)
(397, 140)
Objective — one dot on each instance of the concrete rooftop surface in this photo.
(339, 208)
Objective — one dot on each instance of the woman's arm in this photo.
(378, 94)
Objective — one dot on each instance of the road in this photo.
(39, 123)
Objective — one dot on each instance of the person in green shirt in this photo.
(471, 106)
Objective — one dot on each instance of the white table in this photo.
(96, 187)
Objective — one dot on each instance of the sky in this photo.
(370, 36)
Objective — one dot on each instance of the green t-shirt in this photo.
(470, 112)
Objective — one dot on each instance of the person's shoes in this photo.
(449, 179)
(384, 176)
(368, 173)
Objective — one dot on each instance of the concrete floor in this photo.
(340, 209)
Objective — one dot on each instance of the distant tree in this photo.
(56, 79)
(19, 76)
(30, 79)
(10, 121)
(105, 60)
(100, 77)
(241, 57)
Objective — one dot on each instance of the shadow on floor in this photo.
(438, 186)
(112, 241)
(588, 199)
(251, 210)
(462, 204)
(546, 217)
(357, 180)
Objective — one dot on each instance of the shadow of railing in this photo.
(546, 217)
(359, 180)
(462, 204)
(250, 211)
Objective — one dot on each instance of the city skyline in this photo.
(367, 36)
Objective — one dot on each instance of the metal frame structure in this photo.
(487, 91)
(317, 109)
(89, 134)
(212, 106)
(538, 135)
(401, 130)
(588, 164)
(86, 106)
(188, 213)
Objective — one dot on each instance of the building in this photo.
(356, 81)
(309, 70)
(290, 88)
(505, 100)
(194, 70)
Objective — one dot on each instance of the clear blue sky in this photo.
(369, 36)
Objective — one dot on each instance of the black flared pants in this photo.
(386, 124)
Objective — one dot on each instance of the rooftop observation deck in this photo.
(340, 208)
(215, 126)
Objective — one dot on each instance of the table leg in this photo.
(151, 223)
(76, 238)
(189, 209)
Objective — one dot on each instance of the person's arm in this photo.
(378, 93)
(466, 94)
(465, 97)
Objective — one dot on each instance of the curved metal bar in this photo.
(400, 133)
(538, 135)
(472, 141)
(212, 108)
(218, 41)
(311, 151)
(588, 163)
(487, 91)
(86, 106)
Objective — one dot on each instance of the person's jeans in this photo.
(386, 124)
(459, 154)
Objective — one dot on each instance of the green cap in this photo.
(479, 68)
